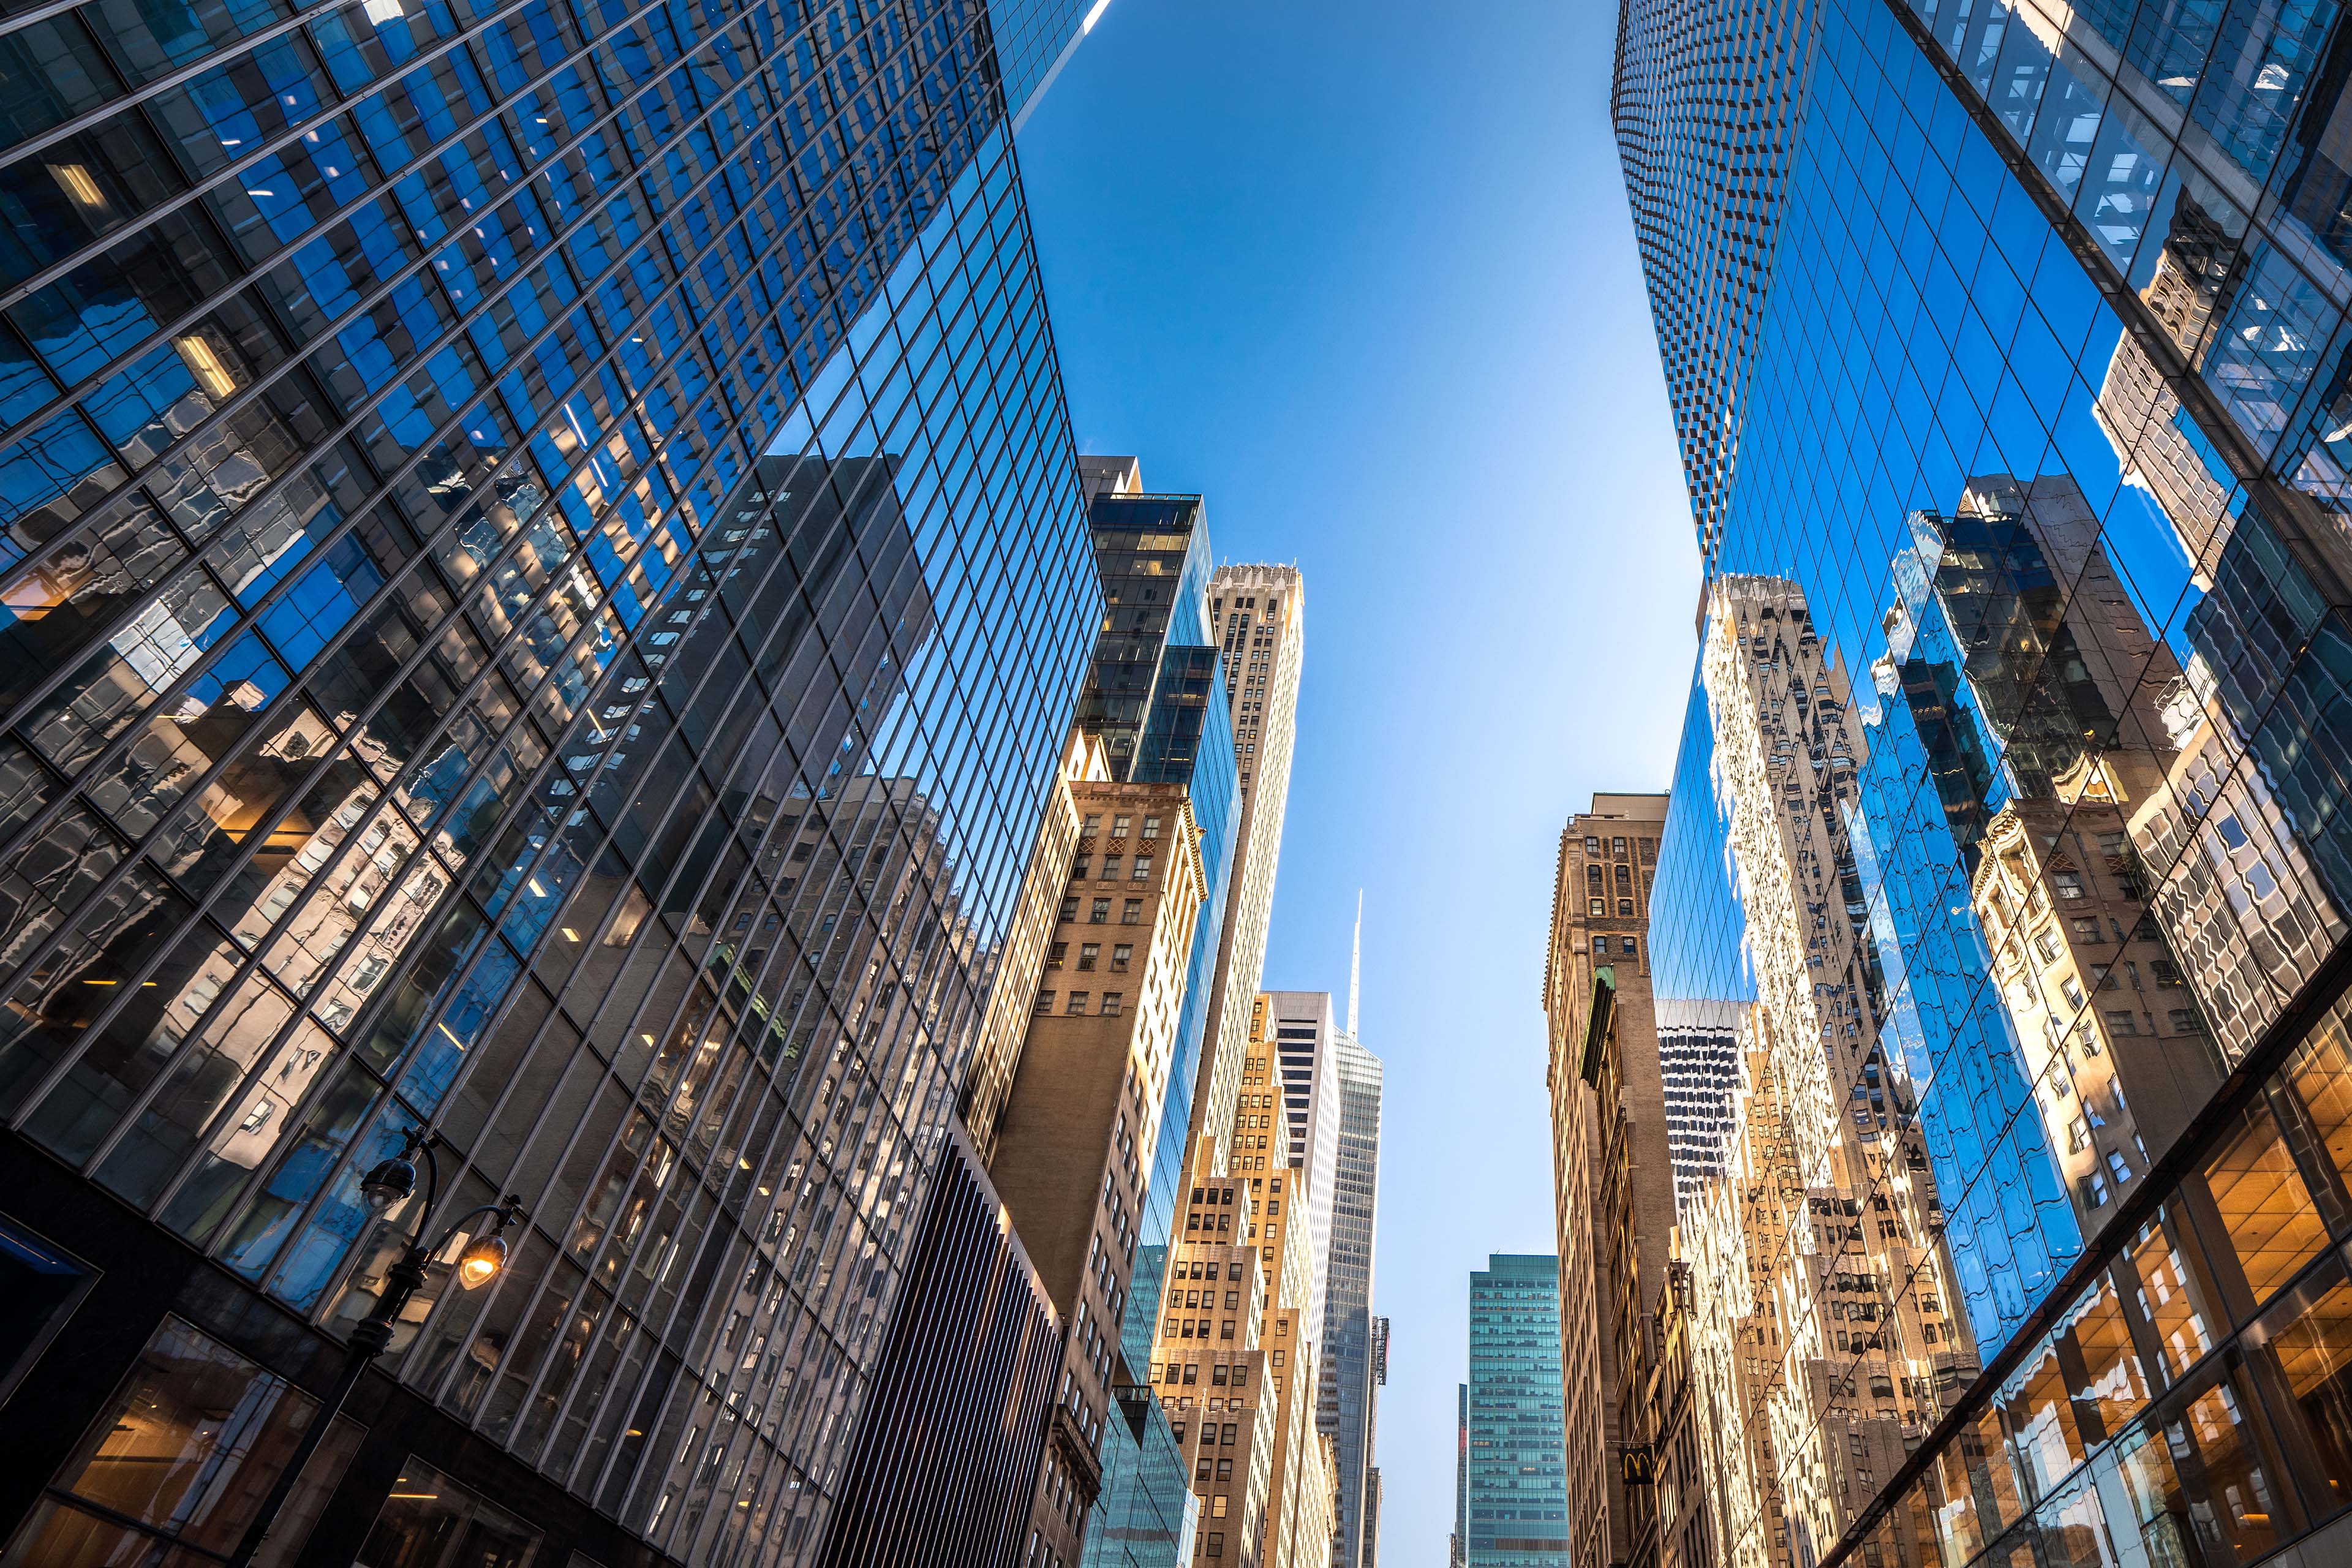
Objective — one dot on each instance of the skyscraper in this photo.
(1073, 1147)
(1259, 614)
(1306, 1039)
(1458, 1543)
(1355, 1342)
(489, 512)
(2007, 843)
(1514, 1491)
(1612, 1168)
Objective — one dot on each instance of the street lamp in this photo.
(392, 1181)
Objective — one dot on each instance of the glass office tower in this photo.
(1512, 1507)
(544, 576)
(2009, 349)
(1155, 695)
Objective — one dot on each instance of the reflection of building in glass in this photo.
(2103, 809)
(2156, 441)
(449, 679)
(1852, 1336)
(2235, 892)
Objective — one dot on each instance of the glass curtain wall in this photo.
(2007, 826)
(543, 578)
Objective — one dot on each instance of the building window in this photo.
(2122, 1021)
(1092, 826)
(1591, 844)
(1132, 914)
(1111, 1001)
(1081, 867)
(1070, 908)
(426, 1509)
(42, 1286)
(1078, 1002)
(1142, 868)
(1110, 867)
(1594, 878)
(1119, 955)
(1151, 828)
(1625, 909)
(1626, 947)
(2186, 1021)
(1056, 954)
(2068, 883)
(1216, 1544)
(1087, 953)
(1119, 826)
(1600, 947)
(1100, 912)
(1044, 1001)
(1217, 1506)
(1600, 907)
(184, 1453)
(1617, 848)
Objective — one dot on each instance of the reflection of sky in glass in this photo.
(1697, 936)
(1949, 1049)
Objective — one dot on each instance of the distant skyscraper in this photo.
(1355, 1343)
(1458, 1543)
(1259, 615)
(1306, 1039)
(1514, 1479)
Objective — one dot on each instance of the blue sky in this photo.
(1362, 274)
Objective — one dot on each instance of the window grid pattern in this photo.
(508, 515)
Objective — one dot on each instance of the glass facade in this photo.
(544, 573)
(1350, 1374)
(1155, 695)
(1514, 1484)
(2007, 854)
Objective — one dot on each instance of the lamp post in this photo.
(391, 1181)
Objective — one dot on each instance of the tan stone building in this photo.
(1215, 1370)
(1020, 957)
(1074, 1145)
(1258, 614)
(1612, 1171)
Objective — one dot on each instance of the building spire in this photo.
(1356, 964)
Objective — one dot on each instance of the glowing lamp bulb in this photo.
(481, 1261)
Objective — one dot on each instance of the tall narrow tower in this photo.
(1354, 1341)
(1259, 617)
